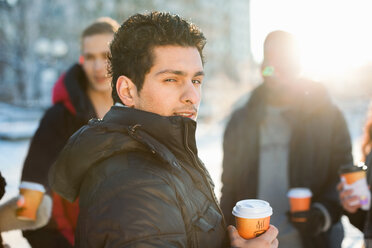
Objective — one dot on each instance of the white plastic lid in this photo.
(32, 186)
(252, 209)
(299, 193)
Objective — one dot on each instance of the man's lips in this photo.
(188, 114)
(101, 79)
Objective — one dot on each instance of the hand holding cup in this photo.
(299, 200)
(31, 195)
(266, 240)
(347, 198)
(252, 217)
(354, 178)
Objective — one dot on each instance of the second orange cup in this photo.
(299, 200)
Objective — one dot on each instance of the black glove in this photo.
(314, 223)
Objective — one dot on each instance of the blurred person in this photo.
(82, 93)
(2, 185)
(367, 137)
(362, 219)
(2, 192)
(137, 173)
(289, 134)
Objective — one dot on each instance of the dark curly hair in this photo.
(131, 49)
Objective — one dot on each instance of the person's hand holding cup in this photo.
(348, 199)
(308, 218)
(266, 240)
(31, 195)
(353, 190)
(299, 201)
(252, 217)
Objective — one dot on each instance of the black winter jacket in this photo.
(141, 183)
(71, 110)
(320, 143)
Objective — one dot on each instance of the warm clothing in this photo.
(275, 135)
(71, 110)
(319, 145)
(140, 183)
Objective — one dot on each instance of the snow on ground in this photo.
(22, 123)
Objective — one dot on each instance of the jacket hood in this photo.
(121, 130)
(70, 89)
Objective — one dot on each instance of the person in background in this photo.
(2, 185)
(367, 138)
(289, 134)
(362, 219)
(137, 172)
(82, 93)
(2, 192)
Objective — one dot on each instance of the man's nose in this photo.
(99, 64)
(191, 93)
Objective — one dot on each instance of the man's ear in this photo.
(81, 60)
(127, 91)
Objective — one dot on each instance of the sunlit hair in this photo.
(132, 48)
(367, 135)
(102, 25)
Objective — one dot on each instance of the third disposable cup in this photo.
(31, 195)
(299, 200)
(354, 177)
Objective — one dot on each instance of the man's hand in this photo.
(347, 198)
(266, 240)
(314, 223)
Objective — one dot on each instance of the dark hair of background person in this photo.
(103, 25)
(131, 50)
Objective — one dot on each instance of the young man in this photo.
(82, 93)
(289, 134)
(137, 171)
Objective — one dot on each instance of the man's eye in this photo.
(88, 57)
(196, 81)
(170, 80)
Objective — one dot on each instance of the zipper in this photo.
(202, 171)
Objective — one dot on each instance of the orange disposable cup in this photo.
(30, 198)
(355, 178)
(299, 200)
(252, 217)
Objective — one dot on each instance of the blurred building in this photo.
(39, 39)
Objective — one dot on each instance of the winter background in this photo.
(39, 39)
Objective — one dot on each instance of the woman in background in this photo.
(360, 218)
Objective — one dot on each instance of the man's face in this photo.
(94, 51)
(283, 57)
(173, 84)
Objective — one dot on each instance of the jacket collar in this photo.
(70, 89)
(175, 132)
